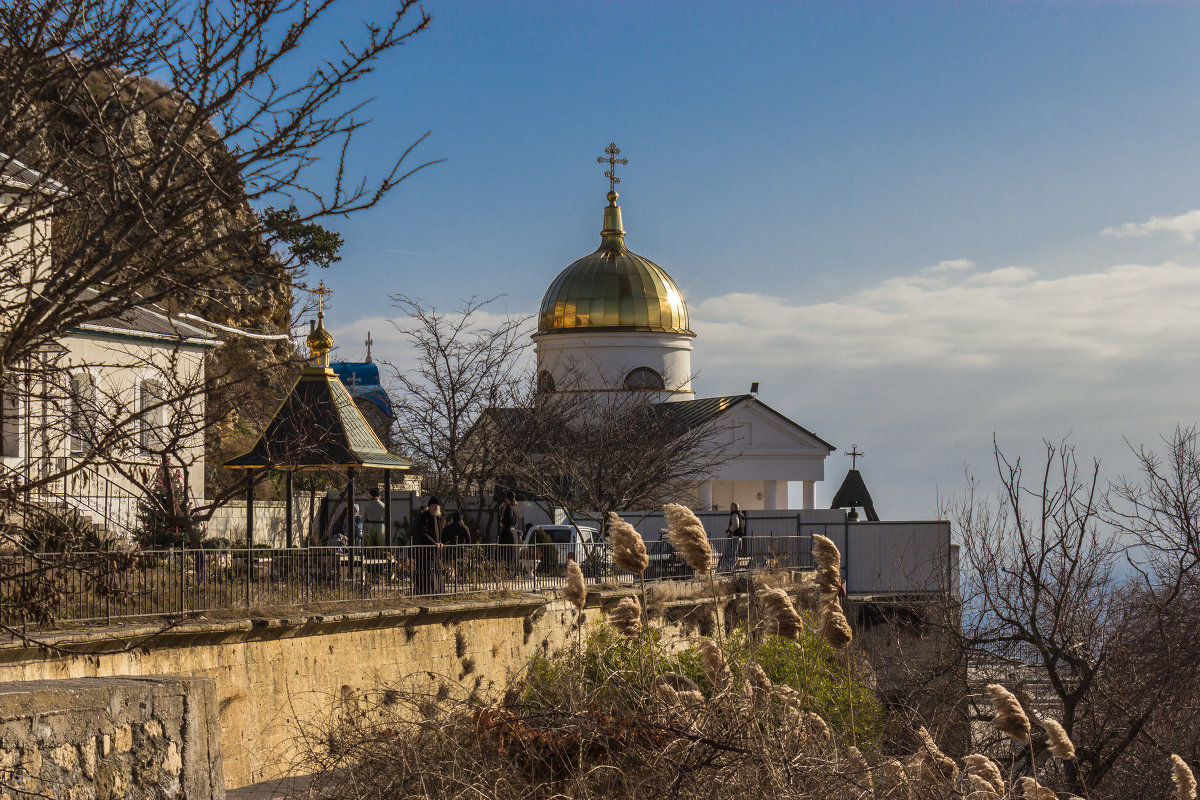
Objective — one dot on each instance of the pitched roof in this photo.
(318, 425)
(853, 494)
(693, 413)
(16, 175)
(147, 323)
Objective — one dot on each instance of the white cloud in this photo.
(1186, 225)
(964, 321)
(950, 265)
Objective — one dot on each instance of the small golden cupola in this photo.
(320, 341)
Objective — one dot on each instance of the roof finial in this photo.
(369, 342)
(854, 455)
(320, 342)
(612, 151)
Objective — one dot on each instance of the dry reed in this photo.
(1010, 717)
(834, 627)
(1182, 777)
(1060, 743)
(626, 617)
(686, 534)
(715, 668)
(778, 608)
(628, 549)
(829, 565)
(933, 768)
(574, 590)
(893, 781)
(860, 773)
(1032, 790)
(986, 770)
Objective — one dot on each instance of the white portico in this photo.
(615, 321)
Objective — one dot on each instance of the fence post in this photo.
(249, 533)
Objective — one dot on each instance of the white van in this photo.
(560, 540)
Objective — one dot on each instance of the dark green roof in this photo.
(318, 425)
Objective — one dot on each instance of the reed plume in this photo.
(893, 781)
(666, 692)
(829, 565)
(986, 770)
(1010, 717)
(778, 608)
(628, 549)
(1182, 777)
(834, 626)
(626, 617)
(1060, 743)
(1032, 790)
(715, 668)
(575, 591)
(860, 773)
(686, 534)
(981, 789)
(758, 678)
(937, 767)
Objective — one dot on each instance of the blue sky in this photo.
(916, 223)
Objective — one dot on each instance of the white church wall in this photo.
(601, 359)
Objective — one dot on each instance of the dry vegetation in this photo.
(774, 710)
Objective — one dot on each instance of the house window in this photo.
(153, 416)
(10, 423)
(644, 378)
(84, 413)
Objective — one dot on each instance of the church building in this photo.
(616, 321)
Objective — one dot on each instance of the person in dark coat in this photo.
(510, 534)
(456, 533)
(427, 542)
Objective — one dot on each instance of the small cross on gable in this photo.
(854, 455)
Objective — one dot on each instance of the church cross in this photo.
(321, 292)
(612, 151)
(370, 342)
(353, 379)
(854, 455)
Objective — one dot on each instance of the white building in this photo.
(616, 321)
(113, 393)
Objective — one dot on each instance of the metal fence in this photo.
(107, 587)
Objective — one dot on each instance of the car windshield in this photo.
(560, 537)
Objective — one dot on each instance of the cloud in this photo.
(951, 265)
(1186, 225)
(964, 321)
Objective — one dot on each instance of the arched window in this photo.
(545, 382)
(645, 379)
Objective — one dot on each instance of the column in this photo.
(781, 494)
(770, 492)
(810, 494)
(704, 501)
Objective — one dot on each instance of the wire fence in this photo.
(110, 587)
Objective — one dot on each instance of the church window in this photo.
(153, 416)
(645, 379)
(84, 413)
(545, 382)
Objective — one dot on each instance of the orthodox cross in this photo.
(321, 292)
(612, 151)
(854, 455)
(369, 342)
(353, 380)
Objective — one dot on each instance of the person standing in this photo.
(456, 533)
(427, 542)
(373, 518)
(509, 532)
(735, 530)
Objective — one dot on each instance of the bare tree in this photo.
(463, 366)
(584, 450)
(1086, 630)
(142, 145)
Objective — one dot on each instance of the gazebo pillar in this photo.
(387, 507)
(350, 518)
(288, 477)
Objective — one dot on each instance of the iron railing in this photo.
(106, 587)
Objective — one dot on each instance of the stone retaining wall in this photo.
(111, 739)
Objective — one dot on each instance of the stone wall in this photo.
(277, 677)
(111, 739)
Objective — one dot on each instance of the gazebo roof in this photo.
(318, 425)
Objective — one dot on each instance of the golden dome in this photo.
(613, 289)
